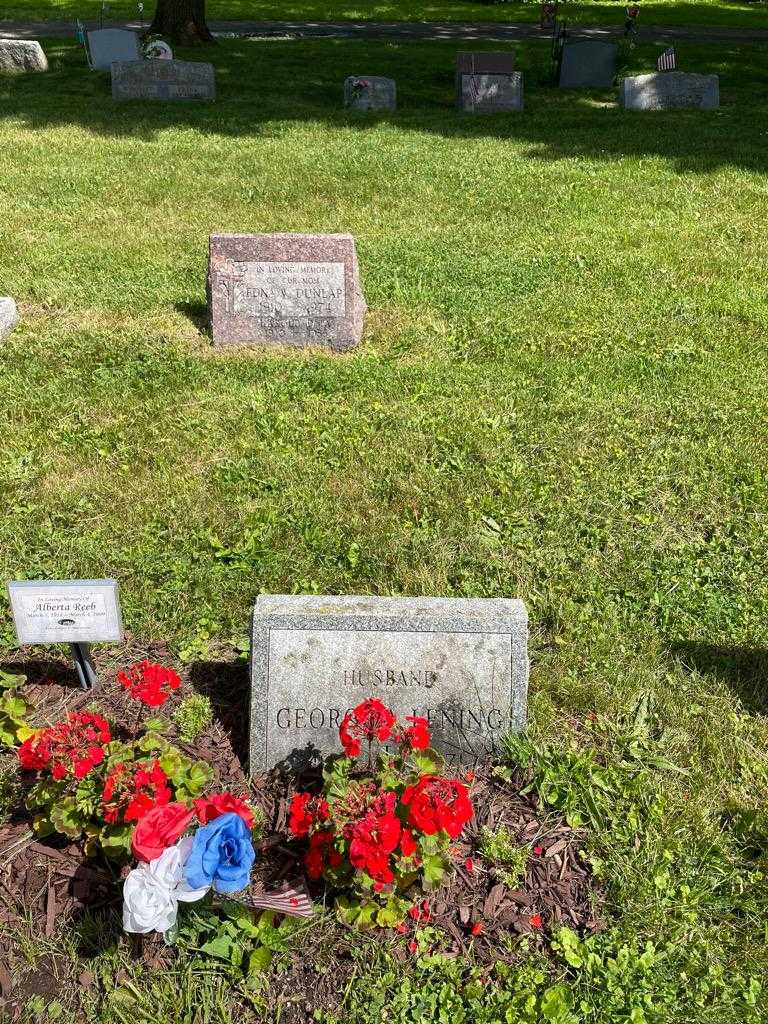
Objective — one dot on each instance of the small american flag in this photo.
(293, 901)
(666, 61)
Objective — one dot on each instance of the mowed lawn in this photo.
(561, 395)
(744, 14)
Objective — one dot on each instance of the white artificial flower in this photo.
(151, 892)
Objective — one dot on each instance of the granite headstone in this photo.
(490, 94)
(162, 80)
(588, 64)
(671, 90)
(20, 55)
(461, 663)
(9, 315)
(106, 45)
(370, 92)
(285, 289)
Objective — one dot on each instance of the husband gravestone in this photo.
(460, 663)
(162, 80)
(283, 289)
(671, 90)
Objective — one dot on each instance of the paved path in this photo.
(460, 32)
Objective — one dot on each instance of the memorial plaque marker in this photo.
(285, 289)
(162, 80)
(462, 663)
(671, 90)
(75, 612)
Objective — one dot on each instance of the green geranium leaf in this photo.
(259, 960)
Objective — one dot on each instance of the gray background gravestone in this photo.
(163, 80)
(9, 316)
(463, 663)
(588, 64)
(367, 92)
(285, 289)
(108, 44)
(671, 90)
(17, 55)
(490, 94)
(487, 83)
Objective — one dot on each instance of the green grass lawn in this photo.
(729, 13)
(561, 394)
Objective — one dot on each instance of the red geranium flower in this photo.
(416, 735)
(436, 804)
(149, 682)
(209, 807)
(316, 855)
(374, 837)
(368, 721)
(305, 812)
(408, 844)
(478, 928)
(129, 793)
(535, 921)
(72, 747)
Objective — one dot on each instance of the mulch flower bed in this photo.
(477, 910)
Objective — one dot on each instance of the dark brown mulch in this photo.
(51, 881)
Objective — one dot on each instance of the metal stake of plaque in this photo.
(86, 670)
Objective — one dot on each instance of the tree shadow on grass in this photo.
(266, 86)
(743, 669)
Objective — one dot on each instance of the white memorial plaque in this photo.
(66, 611)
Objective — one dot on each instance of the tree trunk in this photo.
(183, 21)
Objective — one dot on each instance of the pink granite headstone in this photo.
(285, 289)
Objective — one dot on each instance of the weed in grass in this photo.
(193, 716)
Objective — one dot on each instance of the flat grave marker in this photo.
(163, 80)
(370, 92)
(285, 289)
(461, 663)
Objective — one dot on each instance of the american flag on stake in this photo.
(666, 61)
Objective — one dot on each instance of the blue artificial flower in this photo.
(222, 855)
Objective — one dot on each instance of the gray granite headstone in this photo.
(106, 45)
(9, 316)
(162, 80)
(462, 663)
(19, 55)
(369, 92)
(490, 93)
(588, 64)
(671, 90)
(285, 289)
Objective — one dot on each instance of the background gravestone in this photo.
(109, 44)
(162, 80)
(462, 663)
(487, 83)
(285, 289)
(366, 92)
(671, 90)
(588, 64)
(19, 55)
(9, 316)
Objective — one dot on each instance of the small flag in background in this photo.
(666, 61)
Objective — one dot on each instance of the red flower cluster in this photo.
(72, 747)
(436, 804)
(209, 807)
(150, 683)
(305, 812)
(321, 853)
(130, 793)
(368, 721)
(416, 736)
(374, 838)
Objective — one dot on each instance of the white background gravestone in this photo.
(461, 663)
(671, 90)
